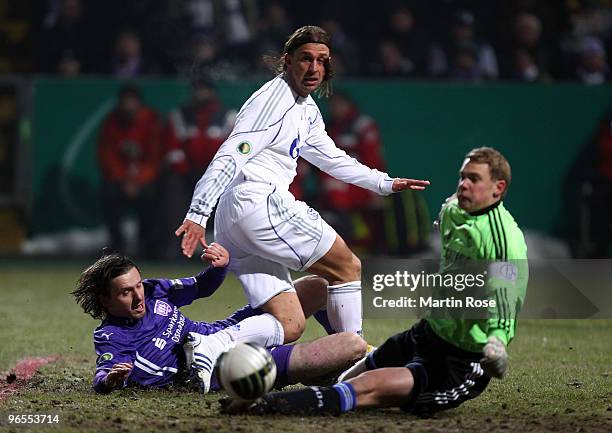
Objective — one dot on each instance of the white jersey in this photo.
(274, 127)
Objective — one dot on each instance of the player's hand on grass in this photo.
(401, 184)
(192, 234)
(495, 359)
(117, 375)
(216, 255)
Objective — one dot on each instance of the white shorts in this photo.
(267, 232)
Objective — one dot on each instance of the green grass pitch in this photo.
(560, 376)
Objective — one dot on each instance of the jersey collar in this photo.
(485, 210)
(122, 321)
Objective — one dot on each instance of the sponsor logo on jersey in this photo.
(244, 148)
(312, 214)
(294, 149)
(105, 357)
(162, 308)
(160, 343)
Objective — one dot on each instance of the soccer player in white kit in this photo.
(266, 230)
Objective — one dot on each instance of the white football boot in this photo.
(201, 354)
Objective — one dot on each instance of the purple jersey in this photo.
(153, 343)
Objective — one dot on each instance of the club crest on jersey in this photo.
(312, 214)
(504, 270)
(162, 308)
(244, 148)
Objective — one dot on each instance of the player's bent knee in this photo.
(349, 269)
(355, 345)
(312, 293)
(285, 307)
(356, 267)
(384, 387)
(293, 328)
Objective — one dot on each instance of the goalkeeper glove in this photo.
(495, 359)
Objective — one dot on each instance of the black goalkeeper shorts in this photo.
(444, 375)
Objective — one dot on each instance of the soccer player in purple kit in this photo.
(140, 339)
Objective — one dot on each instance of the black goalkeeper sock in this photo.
(312, 400)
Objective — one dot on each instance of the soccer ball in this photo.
(246, 371)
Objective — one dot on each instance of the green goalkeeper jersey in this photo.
(490, 236)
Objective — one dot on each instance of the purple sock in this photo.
(281, 355)
(214, 383)
(321, 317)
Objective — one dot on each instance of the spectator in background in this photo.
(592, 68)
(591, 175)
(128, 60)
(205, 60)
(527, 46)
(463, 56)
(63, 43)
(346, 54)
(202, 17)
(402, 30)
(129, 152)
(273, 27)
(356, 213)
(390, 62)
(17, 34)
(192, 137)
(238, 22)
(525, 68)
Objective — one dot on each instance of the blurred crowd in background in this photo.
(144, 156)
(521, 40)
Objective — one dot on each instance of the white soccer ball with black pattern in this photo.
(246, 371)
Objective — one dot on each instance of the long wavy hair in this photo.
(304, 35)
(95, 282)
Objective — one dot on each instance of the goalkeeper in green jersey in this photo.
(439, 362)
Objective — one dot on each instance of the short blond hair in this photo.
(499, 167)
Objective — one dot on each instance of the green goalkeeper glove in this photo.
(495, 359)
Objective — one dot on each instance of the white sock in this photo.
(344, 307)
(264, 330)
(207, 350)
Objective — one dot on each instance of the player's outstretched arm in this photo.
(114, 379)
(402, 184)
(216, 255)
(192, 234)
